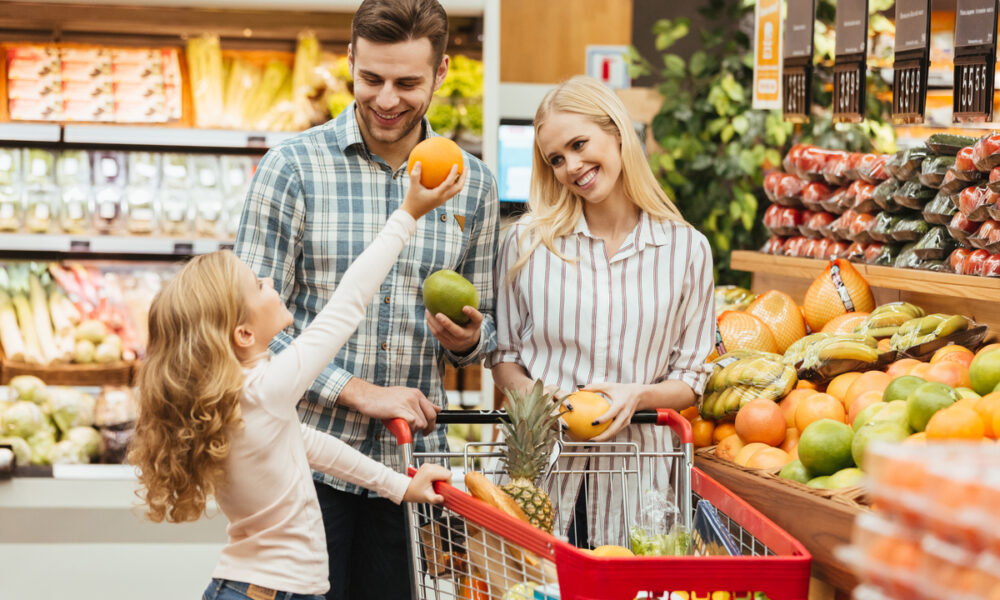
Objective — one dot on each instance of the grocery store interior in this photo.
(839, 158)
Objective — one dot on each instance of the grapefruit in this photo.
(845, 478)
(839, 385)
(901, 387)
(867, 382)
(825, 447)
(955, 423)
(743, 331)
(884, 431)
(586, 407)
(791, 402)
(761, 420)
(729, 447)
(984, 371)
(902, 367)
(950, 372)
(862, 402)
(436, 155)
(795, 471)
(926, 400)
(768, 458)
(781, 315)
(845, 323)
(823, 299)
(747, 452)
(816, 407)
(447, 292)
(988, 407)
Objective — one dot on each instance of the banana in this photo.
(847, 350)
(881, 332)
(729, 401)
(930, 323)
(951, 325)
(796, 352)
(762, 372)
(707, 407)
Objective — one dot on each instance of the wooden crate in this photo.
(116, 373)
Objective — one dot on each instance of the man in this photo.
(315, 203)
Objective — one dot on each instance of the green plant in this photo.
(714, 149)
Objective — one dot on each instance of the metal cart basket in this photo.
(467, 549)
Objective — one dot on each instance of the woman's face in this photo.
(584, 158)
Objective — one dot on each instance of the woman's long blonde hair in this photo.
(189, 388)
(554, 208)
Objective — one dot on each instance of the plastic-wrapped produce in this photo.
(816, 224)
(771, 181)
(789, 190)
(906, 259)
(909, 229)
(974, 262)
(884, 196)
(864, 197)
(208, 190)
(987, 236)
(175, 171)
(11, 206)
(812, 160)
(940, 210)
(991, 267)
(881, 229)
(739, 376)
(986, 152)
(933, 170)
(835, 170)
(974, 203)
(837, 249)
(949, 144)
(881, 254)
(731, 297)
(39, 167)
(814, 194)
(72, 168)
(965, 167)
(936, 244)
(144, 169)
(860, 226)
(961, 228)
(854, 160)
(914, 195)
(773, 245)
(951, 184)
(956, 259)
(41, 208)
(174, 211)
(855, 252)
(841, 227)
(140, 209)
(909, 162)
(872, 168)
(109, 176)
(794, 246)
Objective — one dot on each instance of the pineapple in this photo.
(529, 439)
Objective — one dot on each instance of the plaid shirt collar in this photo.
(347, 131)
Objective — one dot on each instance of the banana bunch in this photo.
(885, 320)
(741, 376)
(925, 329)
(845, 346)
(796, 353)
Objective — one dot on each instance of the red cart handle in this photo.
(399, 428)
(680, 425)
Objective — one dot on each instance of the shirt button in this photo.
(444, 218)
(387, 299)
(385, 346)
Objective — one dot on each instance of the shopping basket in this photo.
(467, 549)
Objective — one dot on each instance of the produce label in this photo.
(767, 55)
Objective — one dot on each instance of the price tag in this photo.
(850, 67)
(912, 60)
(183, 248)
(79, 245)
(975, 60)
(767, 55)
(796, 76)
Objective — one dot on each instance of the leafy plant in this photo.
(714, 149)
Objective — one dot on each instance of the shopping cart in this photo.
(466, 549)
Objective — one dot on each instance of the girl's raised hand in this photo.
(421, 488)
(420, 200)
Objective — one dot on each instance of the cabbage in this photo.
(24, 387)
(71, 408)
(23, 419)
(84, 352)
(107, 352)
(41, 445)
(22, 451)
(87, 438)
(91, 330)
(67, 452)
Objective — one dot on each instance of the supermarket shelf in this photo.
(453, 7)
(109, 245)
(911, 280)
(125, 135)
(29, 132)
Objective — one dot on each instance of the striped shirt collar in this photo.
(648, 232)
(347, 131)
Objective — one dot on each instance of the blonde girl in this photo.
(602, 285)
(218, 412)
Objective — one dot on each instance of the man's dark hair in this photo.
(392, 21)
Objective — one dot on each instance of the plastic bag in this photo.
(987, 236)
(994, 180)
(910, 161)
(947, 143)
(965, 167)
(771, 181)
(881, 229)
(914, 195)
(936, 244)
(884, 193)
(906, 259)
(840, 200)
(940, 210)
(864, 197)
(956, 260)
(835, 170)
(789, 191)
(881, 254)
(794, 246)
(782, 220)
(773, 245)
(986, 152)
(856, 252)
(814, 194)
(951, 184)
(961, 228)
(974, 203)
(872, 168)
(659, 531)
(975, 262)
(933, 170)
(909, 229)
(860, 226)
(817, 224)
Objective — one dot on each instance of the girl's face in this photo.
(584, 158)
(266, 312)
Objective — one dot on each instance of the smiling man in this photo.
(316, 201)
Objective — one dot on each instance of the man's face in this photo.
(393, 85)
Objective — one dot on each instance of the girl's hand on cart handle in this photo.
(624, 398)
(421, 488)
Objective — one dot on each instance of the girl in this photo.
(602, 285)
(218, 413)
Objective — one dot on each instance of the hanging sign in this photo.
(911, 61)
(975, 60)
(767, 55)
(796, 78)
(850, 67)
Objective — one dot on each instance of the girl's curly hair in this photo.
(189, 388)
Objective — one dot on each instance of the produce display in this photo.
(113, 192)
(932, 207)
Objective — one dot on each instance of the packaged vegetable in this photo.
(987, 236)
(864, 197)
(961, 228)
(965, 167)
(881, 230)
(974, 262)
(854, 160)
(933, 170)
(956, 259)
(872, 168)
(936, 244)
(909, 162)
(794, 245)
(840, 228)
(39, 167)
(974, 202)
(881, 254)
(947, 143)
(41, 208)
(812, 160)
(991, 267)
(816, 224)
(856, 252)
(73, 168)
(986, 152)
(951, 184)
(814, 194)
(840, 200)
(773, 245)
(940, 210)
(914, 195)
(782, 220)
(859, 227)
(883, 194)
(909, 229)
(836, 249)
(906, 259)
(771, 184)
(835, 170)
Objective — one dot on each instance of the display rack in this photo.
(112, 246)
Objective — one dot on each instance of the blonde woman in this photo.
(218, 412)
(602, 285)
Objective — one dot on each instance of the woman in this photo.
(604, 286)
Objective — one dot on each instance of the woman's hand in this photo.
(625, 399)
(419, 200)
(421, 488)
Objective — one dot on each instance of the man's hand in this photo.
(460, 339)
(395, 402)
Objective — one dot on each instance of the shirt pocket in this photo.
(442, 241)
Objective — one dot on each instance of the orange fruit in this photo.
(436, 155)
(791, 401)
(722, 431)
(823, 301)
(690, 413)
(955, 423)
(996, 424)
(791, 439)
(867, 382)
(729, 447)
(743, 331)
(816, 407)
(988, 407)
(768, 458)
(953, 352)
(839, 385)
(781, 315)
(747, 452)
(917, 438)
(902, 367)
(949, 372)
(884, 345)
(920, 370)
(861, 402)
(701, 432)
(761, 420)
(805, 385)
(845, 323)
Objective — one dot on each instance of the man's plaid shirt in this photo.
(316, 201)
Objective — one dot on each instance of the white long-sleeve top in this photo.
(276, 536)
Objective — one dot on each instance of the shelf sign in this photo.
(767, 55)
(796, 77)
(850, 67)
(911, 61)
(975, 60)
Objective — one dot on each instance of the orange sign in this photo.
(767, 54)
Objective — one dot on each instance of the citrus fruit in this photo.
(921, 370)
(845, 323)
(791, 402)
(839, 385)
(845, 478)
(768, 458)
(868, 381)
(791, 439)
(586, 407)
(690, 413)
(825, 447)
(436, 155)
(884, 431)
(949, 372)
(729, 447)
(916, 438)
(816, 407)
(778, 311)
(612, 551)
(955, 423)
(743, 331)
(761, 420)
(988, 407)
(862, 402)
(747, 452)
(984, 371)
(722, 431)
(964, 392)
(901, 387)
(701, 432)
(819, 482)
(953, 352)
(926, 400)
(447, 292)
(795, 471)
(866, 415)
(823, 300)
(987, 348)
(902, 367)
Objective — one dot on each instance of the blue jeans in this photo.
(224, 589)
